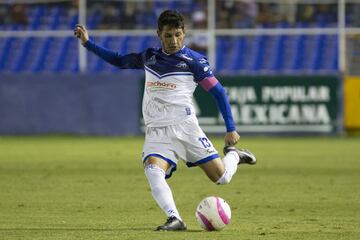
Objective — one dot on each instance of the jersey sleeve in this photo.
(223, 104)
(201, 69)
(127, 61)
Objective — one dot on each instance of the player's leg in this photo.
(155, 170)
(199, 151)
(219, 170)
(160, 161)
(245, 156)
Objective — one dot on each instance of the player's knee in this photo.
(151, 169)
(158, 162)
(224, 179)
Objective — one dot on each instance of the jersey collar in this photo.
(167, 54)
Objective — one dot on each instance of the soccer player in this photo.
(172, 130)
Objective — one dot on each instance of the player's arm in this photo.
(214, 87)
(133, 60)
(205, 78)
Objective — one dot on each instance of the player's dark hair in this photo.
(170, 18)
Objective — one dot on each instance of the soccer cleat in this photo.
(172, 224)
(245, 156)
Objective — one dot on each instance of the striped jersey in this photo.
(170, 81)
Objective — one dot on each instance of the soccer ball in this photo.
(213, 213)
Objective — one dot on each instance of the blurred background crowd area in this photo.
(235, 54)
(143, 14)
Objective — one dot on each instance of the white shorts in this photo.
(184, 141)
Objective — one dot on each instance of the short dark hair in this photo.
(171, 18)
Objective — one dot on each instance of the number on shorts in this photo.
(205, 142)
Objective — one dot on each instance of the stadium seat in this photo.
(220, 42)
(55, 15)
(279, 53)
(4, 55)
(43, 53)
(258, 53)
(23, 57)
(63, 58)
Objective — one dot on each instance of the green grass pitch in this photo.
(68, 187)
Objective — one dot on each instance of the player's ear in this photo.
(158, 33)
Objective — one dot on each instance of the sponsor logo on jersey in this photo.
(151, 60)
(182, 65)
(203, 61)
(186, 57)
(162, 85)
(209, 151)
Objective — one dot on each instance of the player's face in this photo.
(171, 38)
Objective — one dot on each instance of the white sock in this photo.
(230, 161)
(161, 191)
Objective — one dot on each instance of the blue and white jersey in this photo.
(170, 81)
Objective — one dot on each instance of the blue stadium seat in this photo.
(55, 15)
(94, 19)
(319, 52)
(12, 53)
(24, 56)
(331, 64)
(239, 51)
(4, 54)
(73, 21)
(220, 46)
(297, 61)
(258, 54)
(37, 14)
(148, 42)
(43, 53)
(63, 58)
(279, 53)
(334, 67)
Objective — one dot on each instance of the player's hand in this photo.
(231, 138)
(81, 33)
